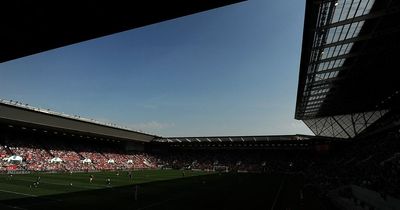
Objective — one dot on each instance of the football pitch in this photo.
(156, 189)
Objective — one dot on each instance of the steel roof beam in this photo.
(345, 56)
(346, 41)
(360, 18)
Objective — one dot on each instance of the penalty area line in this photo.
(32, 196)
(13, 207)
(278, 193)
(18, 193)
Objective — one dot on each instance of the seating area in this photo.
(34, 157)
(231, 160)
(3, 152)
(99, 161)
(70, 157)
(370, 163)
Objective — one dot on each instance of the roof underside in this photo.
(29, 27)
(349, 65)
(349, 57)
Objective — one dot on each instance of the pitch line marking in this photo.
(18, 193)
(13, 207)
(277, 194)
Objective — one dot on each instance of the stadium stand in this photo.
(348, 90)
(371, 163)
(329, 168)
(37, 157)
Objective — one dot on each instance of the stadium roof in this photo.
(349, 64)
(234, 138)
(30, 27)
(13, 112)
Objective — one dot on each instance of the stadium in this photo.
(348, 95)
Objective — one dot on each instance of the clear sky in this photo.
(228, 71)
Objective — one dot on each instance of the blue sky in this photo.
(227, 71)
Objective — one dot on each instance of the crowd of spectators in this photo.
(230, 160)
(71, 159)
(371, 163)
(61, 156)
(3, 152)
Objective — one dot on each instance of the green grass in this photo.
(158, 189)
(50, 184)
